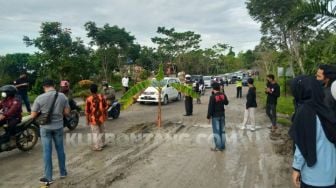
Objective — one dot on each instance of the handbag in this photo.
(45, 118)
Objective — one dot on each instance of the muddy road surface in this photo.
(140, 155)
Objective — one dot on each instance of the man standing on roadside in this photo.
(239, 85)
(124, 83)
(273, 92)
(216, 114)
(22, 85)
(52, 131)
(96, 114)
(188, 100)
(326, 74)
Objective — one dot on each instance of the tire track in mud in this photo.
(248, 162)
(104, 170)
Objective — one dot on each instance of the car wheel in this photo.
(165, 100)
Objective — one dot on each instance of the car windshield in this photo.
(207, 77)
(155, 83)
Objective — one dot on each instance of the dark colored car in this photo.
(233, 79)
(196, 77)
(244, 81)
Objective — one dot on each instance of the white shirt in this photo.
(124, 82)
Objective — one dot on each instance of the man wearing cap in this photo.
(52, 131)
(188, 99)
(22, 85)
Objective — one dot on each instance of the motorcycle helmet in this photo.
(9, 90)
(64, 83)
(187, 77)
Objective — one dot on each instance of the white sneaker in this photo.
(252, 129)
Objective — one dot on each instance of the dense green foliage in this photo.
(296, 34)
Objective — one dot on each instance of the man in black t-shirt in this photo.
(22, 85)
(326, 74)
(273, 92)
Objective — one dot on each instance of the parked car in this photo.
(196, 77)
(232, 79)
(168, 93)
(207, 81)
(244, 81)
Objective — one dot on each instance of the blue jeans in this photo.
(47, 136)
(219, 132)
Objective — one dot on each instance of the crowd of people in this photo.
(313, 131)
(314, 123)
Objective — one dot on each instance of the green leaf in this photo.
(127, 99)
(185, 90)
(160, 75)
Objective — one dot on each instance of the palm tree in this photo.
(127, 99)
(322, 12)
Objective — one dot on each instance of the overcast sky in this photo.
(224, 21)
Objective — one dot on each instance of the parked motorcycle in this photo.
(114, 110)
(26, 136)
(72, 120)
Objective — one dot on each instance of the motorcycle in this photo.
(26, 136)
(71, 121)
(114, 110)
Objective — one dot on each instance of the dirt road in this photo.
(176, 156)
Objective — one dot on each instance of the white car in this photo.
(207, 81)
(168, 93)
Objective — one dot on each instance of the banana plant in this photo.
(127, 99)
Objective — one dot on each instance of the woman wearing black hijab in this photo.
(314, 134)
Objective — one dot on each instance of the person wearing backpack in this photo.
(96, 115)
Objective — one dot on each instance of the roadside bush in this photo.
(145, 74)
(82, 94)
(85, 84)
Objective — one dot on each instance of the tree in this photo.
(11, 65)
(248, 58)
(115, 46)
(173, 44)
(127, 99)
(147, 58)
(60, 57)
(321, 50)
(322, 12)
(275, 16)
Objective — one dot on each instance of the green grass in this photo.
(284, 121)
(31, 97)
(285, 103)
(117, 86)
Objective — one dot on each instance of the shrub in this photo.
(83, 94)
(85, 84)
